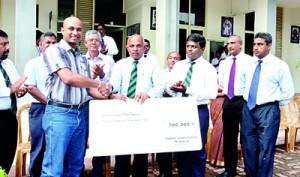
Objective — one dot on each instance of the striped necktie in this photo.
(8, 84)
(253, 87)
(188, 77)
(132, 82)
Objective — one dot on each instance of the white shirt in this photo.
(242, 62)
(102, 59)
(35, 71)
(148, 78)
(9, 67)
(215, 61)
(203, 86)
(110, 45)
(275, 83)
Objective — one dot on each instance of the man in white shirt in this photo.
(108, 45)
(36, 87)
(196, 78)
(10, 84)
(138, 78)
(268, 84)
(232, 106)
(101, 68)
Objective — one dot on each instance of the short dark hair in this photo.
(197, 38)
(49, 34)
(146, 40)
(38, 34)
(3, 34)
(264, 35)
(102, 24)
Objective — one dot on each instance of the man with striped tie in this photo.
(194, 77)
(136, 78)
(10, 84)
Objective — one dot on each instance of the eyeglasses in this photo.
(4, 43)
(94, 40)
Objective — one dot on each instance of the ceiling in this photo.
(288, 3)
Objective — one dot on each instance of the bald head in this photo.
(135, 46)
(72, 31)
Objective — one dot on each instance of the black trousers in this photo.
(8, 137)
(139, 167)
(232, 115)
(165, 164)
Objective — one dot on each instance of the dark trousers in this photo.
(139, 167)
(97, 162)
(232, 114)
(165, 164)
(259, 130)
(37, 150)
(8, 137)
(192, 163)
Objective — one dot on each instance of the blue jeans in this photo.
(37, 141)
(65, 132)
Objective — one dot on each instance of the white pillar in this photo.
(25, 25)
(271, 23)
(167, 29)
(265, 19)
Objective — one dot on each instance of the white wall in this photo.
(44, 9)
(7, 23)
(290, 52)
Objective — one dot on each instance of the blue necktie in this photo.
(253, 87)
(102, 43)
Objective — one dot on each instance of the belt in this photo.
(266, 104)
(201, 106)
(236, 98)
(63, 105)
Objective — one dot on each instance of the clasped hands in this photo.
(97, 70)
(178, 87)
(105, 88)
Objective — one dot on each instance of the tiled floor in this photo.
(287, 164)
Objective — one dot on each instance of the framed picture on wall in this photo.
(153, 18)
(295, 34)
(226, 26)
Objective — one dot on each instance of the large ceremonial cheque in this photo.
(159, 125)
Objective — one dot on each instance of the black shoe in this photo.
(225, 174)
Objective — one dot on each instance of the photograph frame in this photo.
(295, 32)
(153, 18)
(226, 26)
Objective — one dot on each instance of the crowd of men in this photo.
(62, 81)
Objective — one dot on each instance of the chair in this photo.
(295, 124)
(284, 125)
(22, 147)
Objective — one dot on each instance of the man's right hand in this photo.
(15, 87)
(104, 50)
(105, 88)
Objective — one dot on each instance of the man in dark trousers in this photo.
(268, 84)
(229, 80)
